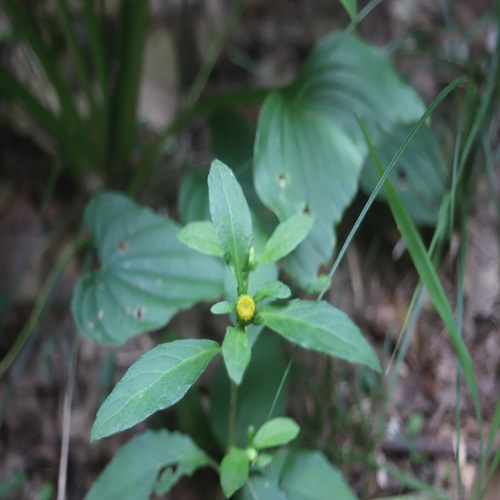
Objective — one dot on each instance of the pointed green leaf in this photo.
(132, 472)
(146, 275)
(231, 218)
(157, 380)
(276, 432)
(351, 8)
(234, 470)
(200, 235)
(286, 237)
(321, 327)
(272, 290)
(222, 307)
(309, 147)
(236, 353)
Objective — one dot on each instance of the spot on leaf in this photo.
(306, 209)
(139, 313)
(282, 180)
(122, 246)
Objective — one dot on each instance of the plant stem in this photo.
(233, 399)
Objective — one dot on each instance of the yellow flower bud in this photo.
(245, 309)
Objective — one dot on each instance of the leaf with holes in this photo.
(146, 275)
(321, 327)
(157, 380)
(309, 147)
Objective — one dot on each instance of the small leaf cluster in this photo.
(312, 325)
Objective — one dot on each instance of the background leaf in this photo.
(236, 353)
(277, 432)
(146, 275)
(321, 327)
(234, 470)
(309, 147)
(419, 176)
(286, 237)
(132, 472)
(157, 380)
(231, 218)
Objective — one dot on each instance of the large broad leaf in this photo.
(309, 147)
(321, 327)
(157, 380)
(419, 176)
(146, 275)
(231, 218)
(133, 471)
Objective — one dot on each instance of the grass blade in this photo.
(429, 277)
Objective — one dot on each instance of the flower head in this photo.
(245, 309)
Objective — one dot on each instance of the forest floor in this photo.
(50, 394)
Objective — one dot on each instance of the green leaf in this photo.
(234, 470)
(419, 176)
(276, 432)
(132, 472)
(309, 147)
(157, 380)
(200, 235)
(222, 307)
(146, 275)
(255, 394)
(309, 475)
(272, 290)
(286, 237)
(351, 8)
(321, 327)
(232, 220)
(236, 353)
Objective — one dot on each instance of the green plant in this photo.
(162, 376)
